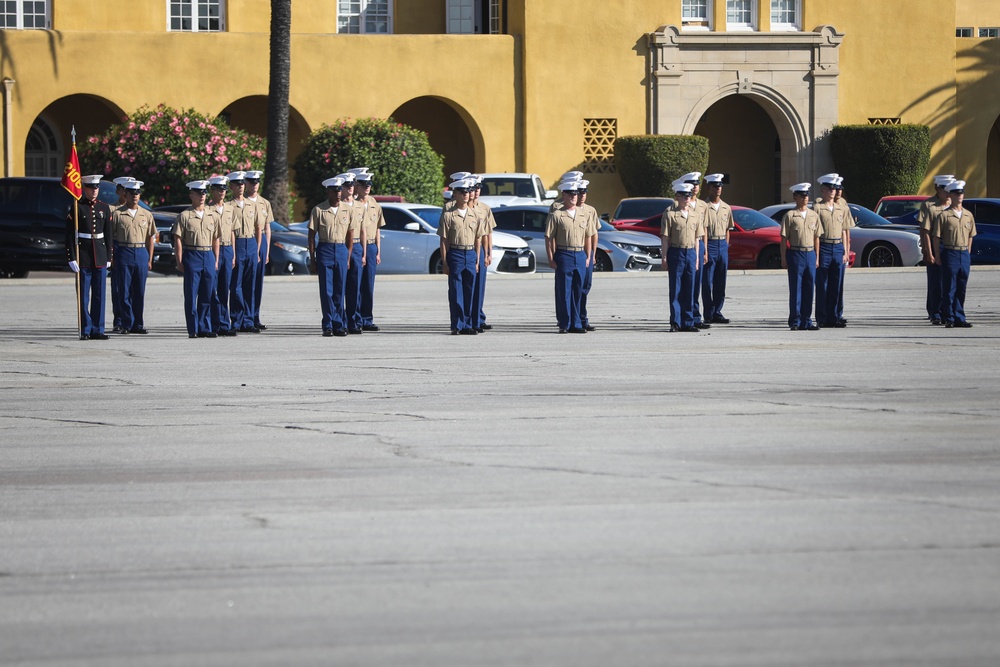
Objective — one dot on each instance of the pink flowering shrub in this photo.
(165, 148)
(400, 156)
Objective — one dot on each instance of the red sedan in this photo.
(753, 244)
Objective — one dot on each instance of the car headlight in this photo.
(629, 247)
(291, 247)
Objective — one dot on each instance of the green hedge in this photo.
(400, 157)
(879, 160)
(648, 164)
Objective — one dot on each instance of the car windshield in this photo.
(640, 209)
(866, 218)
(894, 208)
(430, 215)
(750, 220)
(507, 187)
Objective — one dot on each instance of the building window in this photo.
(785, 15)
(989, 32)
(357, 17)
(196, 15)
(42, 152)
(599, 136)
(696, 15)
(25, 14)
(740, 14)
(474, 17)
(963, 32)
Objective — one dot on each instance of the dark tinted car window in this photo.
(18, 198)
(534, 221)
(986, 213)
(640, 209)
(866, 218)
(509, 221)
(750, 220)
(396, 219)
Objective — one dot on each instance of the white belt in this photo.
(91, 236)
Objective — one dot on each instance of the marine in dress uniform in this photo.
(116, 294)
(800, 229)
(485, 215)
(352, 283)
(718, 224)
(925, 216)
(569, 239)
(265, 215)
(222, 212)
(196, 242)
(135, 233)
(590, 213)
(700, 209)
(834, 247)
(330, 244)
(89, 250)
(372, 221)
(461, 234)
(248, 230)
(952, 232)
(680, 231)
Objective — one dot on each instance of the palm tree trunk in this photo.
(276, 167)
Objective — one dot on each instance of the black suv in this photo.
(33, 215)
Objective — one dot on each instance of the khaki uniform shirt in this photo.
(372, 219)
(264, 213)
(834, 222)
(485, 215)
(456, 230)
(195, 231)
(928, 211)
(952, 229)
(569, 230)
(801, 229)
(226, 219)
(718, 222)
(245, 222)
(132, 229)
(681, 231)
(331, 223)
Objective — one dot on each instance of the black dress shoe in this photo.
(202, 334)
(842, 320)
(812, 327)
(328, 333)
(703, 325)
(118, 329)
(480, 330)
(370, 327)
(793, 328)
(467, 332)
(262, 327)
(123, 332)
(937, 321)
(719, 319)
(487, 327)
(689, 329)
(98, 336)
(340, 333)
(948, 325)
(253, 330)
(562, 331)
(191, 336)
(963, 325)
(674, 327)
(139, 330)
(354, 331)
(84, 336)
(211, 334)
(589, 327)
(840, 324)
(577, 330)
(227, 332)
(454, 332)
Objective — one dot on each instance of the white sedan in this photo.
(875, 241)
(410, 243)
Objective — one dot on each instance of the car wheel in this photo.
(602, 262)
(435, 263)
(881, 254)
(769, 258)
(11, 273)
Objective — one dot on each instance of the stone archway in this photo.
(450, 129)
(792, 76)
(250, 114)
(50, 131)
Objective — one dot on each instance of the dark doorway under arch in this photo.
(446, 129)
(993, 161)
(50, 130)
(744, 144)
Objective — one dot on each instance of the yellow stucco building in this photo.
(527, 85)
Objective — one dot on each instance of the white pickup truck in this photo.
(514, 190)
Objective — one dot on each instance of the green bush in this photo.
(648, 164)
(400, 157)
(879, 160)
(166, 148)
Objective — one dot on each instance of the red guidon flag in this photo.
(71, 175)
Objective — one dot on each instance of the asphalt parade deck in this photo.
(742, 496)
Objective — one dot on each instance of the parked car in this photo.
(514, 189)
(986, 242)
(632, 210)
(892, 206)
(289, 251)
(616, 250)
(410, 243)
(875, 240)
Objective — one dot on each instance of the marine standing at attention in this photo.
(952, 232)
(925, 216)
(135, 234)
(249, 234)
(680, 230)
(590, 214)
(718, 224)
(833, 252)
(265, 215)
(373, 220)
(485, 215)
(196, 242)
(800, 229)
(569, 239)
(330, 244)
(89, 249)
(222, 212)
(461, 234)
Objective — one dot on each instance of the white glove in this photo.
(74, 266)
(108, 265)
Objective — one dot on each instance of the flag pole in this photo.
(76, 251)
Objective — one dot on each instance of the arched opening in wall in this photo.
(744, 144)
(47, 144)
(993, 161)
(450, 130)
